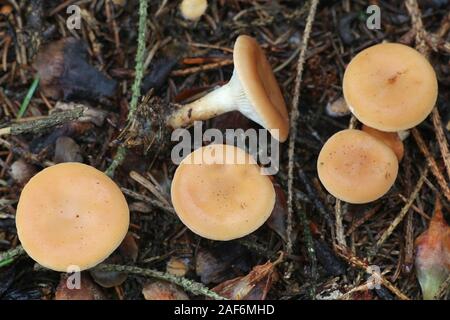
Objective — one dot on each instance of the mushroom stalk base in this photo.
(215, 103)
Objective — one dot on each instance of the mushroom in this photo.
(390, 87)
(193, 9)
(71, 214)
(219, 192)
(253, 90)
(356, 167)
(391, 139)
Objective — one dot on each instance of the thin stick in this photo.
(443, 289)
(356, 262)
(136, 89)
(404, 210)
(293, 124)
(205, 67)
(442, 140)
(152, 202)
(189, 285)
(340, 234)
(431, 162)
(35, 126)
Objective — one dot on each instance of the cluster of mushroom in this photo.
(219, 191)
(388, 87)
(71, 217)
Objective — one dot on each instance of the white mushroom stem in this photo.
(229, 97)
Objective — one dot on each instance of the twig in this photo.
(443, 289)
(149, 186)
(35, 126)
(404, 210)
(442, 140)
(293, 124)
(9, 256)
(117, 161)
(139, 68)
(189, 285)
(209, 66)
(356, 262)
(136, 89)
(431, 162)
(340, 234)
(152, 202)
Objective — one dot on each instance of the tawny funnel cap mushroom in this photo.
(355, 167)
(219, 193)
(390, 87)
(391, 139)
(71, 214)
(253, 90)
(193, 9)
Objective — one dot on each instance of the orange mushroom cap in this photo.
(391, 139)
(71, 214)
(390, 87)
(261, 87)
(219, 193)
(252, 90)
(356, 167)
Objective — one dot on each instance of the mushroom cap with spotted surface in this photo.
(219, 192)
(71, 214)
(355, 167)
(390, 87)
(261, 86)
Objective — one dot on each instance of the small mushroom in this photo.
(355, 167)
(193, 9)
(253, 90)
(71, 214)
(22, 171)
(67, 150)
(390, 87)
(126, 253)
(87, 290)
(391, 139)
(219, 192)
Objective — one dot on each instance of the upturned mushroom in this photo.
(219, 193)
(390, 87)
(355, 167)
(252, 90)
(71, 215)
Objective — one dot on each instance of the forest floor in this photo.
(333, 245)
